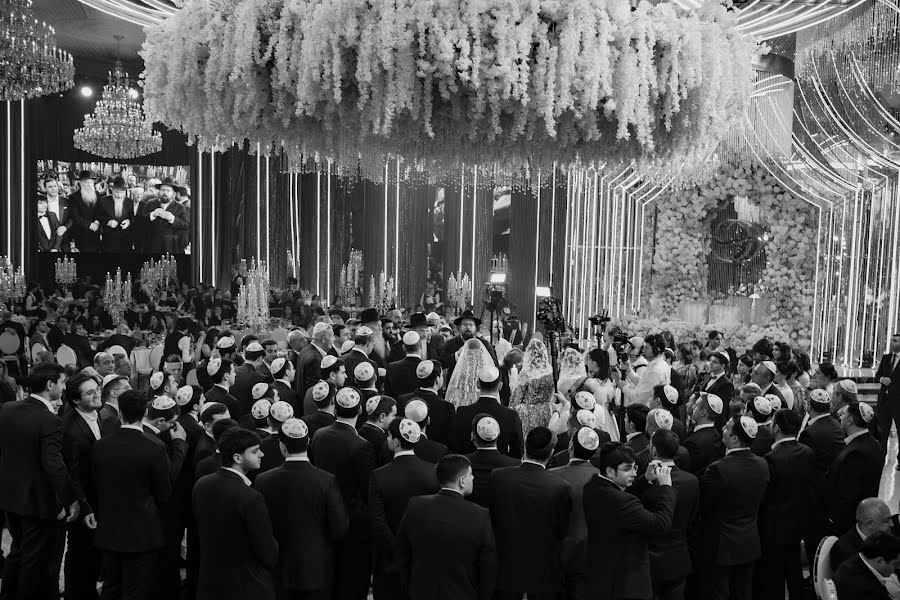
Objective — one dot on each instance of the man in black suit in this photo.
(82, 427)
(390, 490)
(862, 576)
(529, 538)
(428, 450)
(222, 374)
(888, 375)
(59, 206)
(164, 219)
(704, 444)
(636, 436)
(83, 206)
(573, 550)
(334, 373)
(284, 374)
(279, 413)
(511, 440)
(716, 381)
(657, 419)
(206, 444)
(856, 470)
(310, 358)
(340, 450)
(131, 471)
(731, 492)
(323, 394)
(486, 458)
(116, 216)
(619, 526)
(401, 375)
(78, 341)
(467, 324)
(872, 516)
(308, 518)
(445, 545)
(822, 433)
(362, 351)
(670, 561)
(238, 547)
(45, 228)
(783, 518)
(245, 377)
(380, 413)
(36, 491)
(760, 410)
(441, 412)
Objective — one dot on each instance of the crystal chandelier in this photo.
(118, 129)
(253, 296)
(30, 63)
(12, 281)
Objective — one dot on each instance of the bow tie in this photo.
(43, 216)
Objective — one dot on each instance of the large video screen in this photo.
(112, 208)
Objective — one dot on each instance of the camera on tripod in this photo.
(600, 319)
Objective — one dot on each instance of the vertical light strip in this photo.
(292, 208)
(268, 231)
(895, 264)
(462, 188)
(384, 233)
(851, 283)
(594, 237)
(840, 249)
(258, 202)
(23, 202)
(567, 251)
(328, 240)
(213, 234)
(8, 175)
(552, 221)
(866, 333)
(812, 334)
(537, 247)
(397, 238)
(318, 229)
(474, 214)
(198, 251)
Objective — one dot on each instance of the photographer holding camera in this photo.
(640, 377)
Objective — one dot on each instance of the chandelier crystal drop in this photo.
(118, 128)
(30, 63)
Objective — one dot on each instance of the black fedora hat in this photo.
(467, 314)
(119, 184)
(85, 175)
(169, 182)
(370, 315)
(418, 320)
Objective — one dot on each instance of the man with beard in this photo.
(116, 216)
(165, 219)
(468, 324)
(369, 318)
(83, 203)
(59, 206)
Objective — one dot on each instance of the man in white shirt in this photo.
(58, 205)
(868, 574)
(638, 387)
(47, 239)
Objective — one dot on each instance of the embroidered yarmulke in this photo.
(424, 369)
(184, 395)
(820, 396)
(327, 361)
(260, 409)
(364, 331)
(410, 431)
(347, 398)
(416, 410)
(762, 405)
(213, 366)
(586, 418)
(588, 438)
(225, 343)
(259, 390)
(715, 403)
(774, 402)
(671, 394)
(281, 411)
(372, 404)
(489, 374)
(364, 371)
(277, 365)
(254, 346)
(488, 429)
(663, 419)
(769, 366)
(319, 328)
(295, 429)
(156, 380)
(848, 385)
(110, 378)
(749, 426)
(320, 391)
(347, 346)
(411, 338)
(163, 403)
(433, 319)
(585, 400)
(866, 412)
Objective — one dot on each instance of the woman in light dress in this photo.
(573, 378)
(532, 396)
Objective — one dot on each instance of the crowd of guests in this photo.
(112, 214)
(418, 456)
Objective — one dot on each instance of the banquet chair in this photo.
(9, 346)
(65, 356)
(831, 590)
(140, 363)
(36, 349)
(156, 356)
(821, 568)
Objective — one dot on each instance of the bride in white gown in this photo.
(463, 387)
(573, 378)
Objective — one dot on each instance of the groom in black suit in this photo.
(116, 218)
(46, 228)
(888, 375)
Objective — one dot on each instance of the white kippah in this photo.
(585, 400)
(364, 331)
(184, 395)
(295, 429)
(277, 364)
(411, 338)
(157, 379)
(364, 371)
(671, 394)
(588, 438)
(213, 366)
(163, 403)
(489, 374)
(774, 402)
(110, 378)
(663, 419)
(319, 328)
(372, 403)
(820, 396)
(320, 391)
(866, 412)
(260, 409)
(762, 405)
(586, 418)
(848, 385)
(769, 365)
(225, 343)
(715, 403)
(327, 361)
(281, 411)
(424, 369)
(259, 390)
(347, 398)
(416, 410)
(347, 346)
(749, 426)
(254, 346)
(410, 431)
(488, 429)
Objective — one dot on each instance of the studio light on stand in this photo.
(550, 316)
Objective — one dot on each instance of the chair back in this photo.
(156, 355)
(821, 568)
(9, 343)
(65, 356)
(36, 349)
(830, 590)
(140, 361)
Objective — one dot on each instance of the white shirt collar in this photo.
(361, 351)
(630, 436)
(451, 490)
(413, 356)
(730, 450)
(781, 441)
(816, 418)
(221, 386)
(881, 579)
(533, 462)
(296, 459)
(242, 476)
(45, 402)
(89, 417)
(853, 436)
(284, 381)
(316, 346)
(135, 426)
(859, 531)
(702, 426)
(150, 427)
(404, 453)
